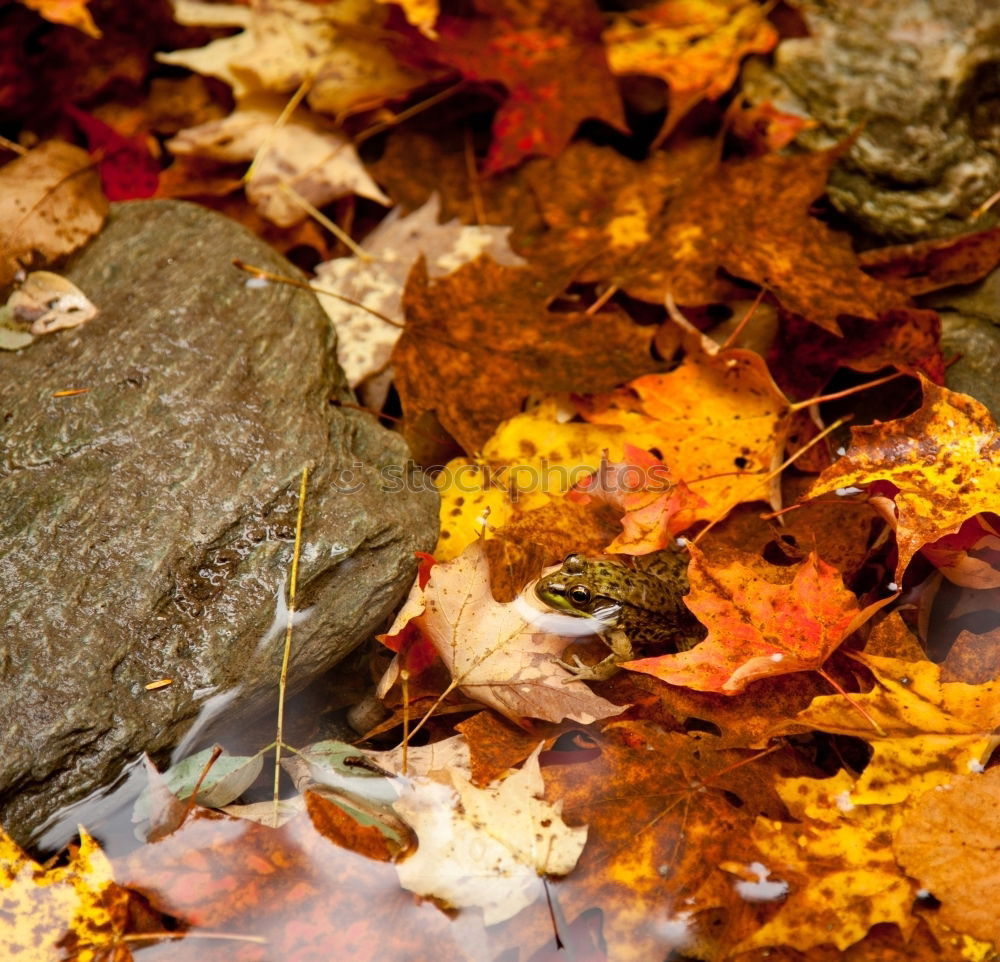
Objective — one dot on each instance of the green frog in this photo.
(638, 606)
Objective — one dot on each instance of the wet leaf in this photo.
(841, 873)
(717, 423)
(930, 729)
(71, 911)
(927, 473)
(949, 843)
(227, 779)
(531, 461)
(486, 847)
(480, 340)
(720, 222)
(548, 56)
(656, 831)
(762, 620)
(295, 893)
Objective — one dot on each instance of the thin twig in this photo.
(315, 288)
(286, 654)
(330, 225)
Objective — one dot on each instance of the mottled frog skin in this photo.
(644, 602)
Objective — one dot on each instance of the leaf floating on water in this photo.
(486, 847)
(61, 912)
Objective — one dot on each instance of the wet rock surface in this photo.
(147, 525)
(970, 338)
(917, 84)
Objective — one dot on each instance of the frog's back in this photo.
(660, 615)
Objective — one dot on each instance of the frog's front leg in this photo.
(621, 650)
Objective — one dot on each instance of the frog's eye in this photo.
(579, 594)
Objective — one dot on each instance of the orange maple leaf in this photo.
(654, 510)
(759, 623)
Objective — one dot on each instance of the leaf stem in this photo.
(836, 686)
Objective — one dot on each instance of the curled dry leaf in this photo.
(50, 204)
(302, 156)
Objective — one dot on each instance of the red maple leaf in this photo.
(549, 56)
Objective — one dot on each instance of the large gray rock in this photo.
(146, 526)
(970, 338)
(911, 86)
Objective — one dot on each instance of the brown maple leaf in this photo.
(939, 262)
(950, 843)
(751, 217)
(480, 340)
(657, 830)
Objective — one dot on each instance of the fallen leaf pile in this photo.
(614, 315)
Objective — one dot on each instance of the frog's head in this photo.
(587, 588)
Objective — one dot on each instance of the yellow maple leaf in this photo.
(422, 14)
(72, 911)
(933, 729)
(531, 460)
(837, 860)
(694, 45)
(718, 423)
(934, 469)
